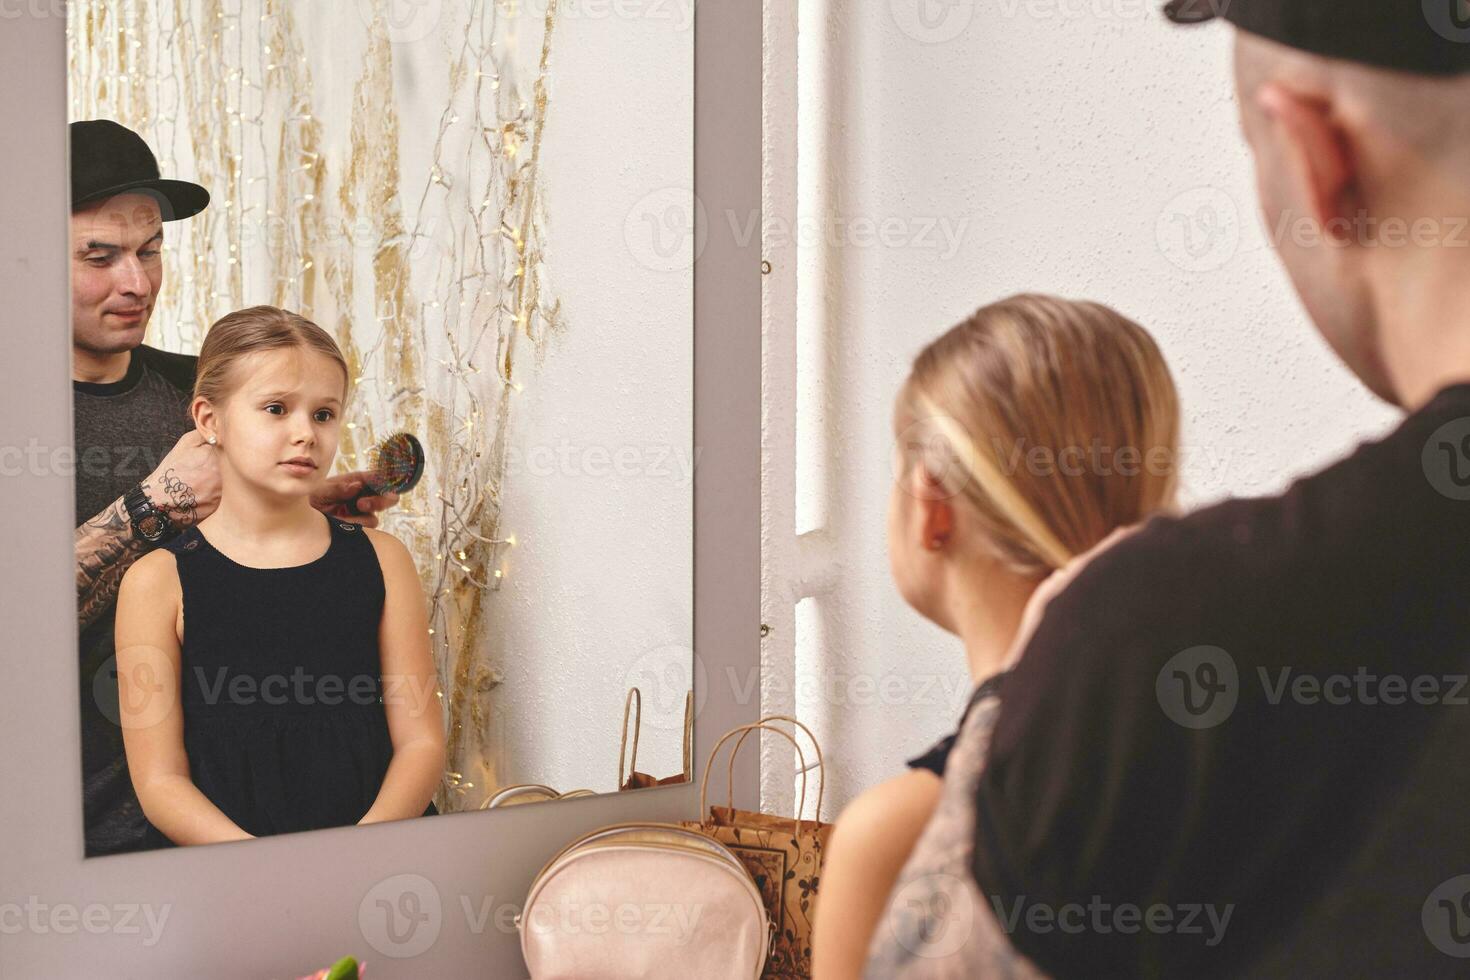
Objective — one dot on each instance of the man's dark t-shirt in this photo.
(123, 430)
(1257, 710)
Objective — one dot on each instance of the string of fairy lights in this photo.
(308, 212)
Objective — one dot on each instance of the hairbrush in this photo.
(396, 464)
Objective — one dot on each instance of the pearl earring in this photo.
(212, 440)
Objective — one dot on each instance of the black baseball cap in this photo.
(1427, 37)
(108, 159)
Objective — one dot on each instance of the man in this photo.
(1236, 743)
(143, 471)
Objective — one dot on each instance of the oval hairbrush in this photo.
(396, 465)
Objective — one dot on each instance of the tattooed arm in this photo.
(185, 487)
(106, 547)
(869, 846)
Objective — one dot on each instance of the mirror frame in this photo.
(284, 906)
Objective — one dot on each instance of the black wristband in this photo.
(150, 524)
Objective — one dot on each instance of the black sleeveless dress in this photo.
(937, 757)
(284, 723)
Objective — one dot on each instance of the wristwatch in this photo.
(149, 523)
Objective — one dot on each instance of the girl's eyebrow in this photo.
(334, 400)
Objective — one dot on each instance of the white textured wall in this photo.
(1073, 142)
(601, 495)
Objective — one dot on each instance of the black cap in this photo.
(108, 159)
(1428, 37)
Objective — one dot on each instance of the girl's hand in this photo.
(1054, 585)
(336, 495)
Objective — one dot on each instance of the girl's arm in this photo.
(410, 689)
(148, 671)
(868, 848)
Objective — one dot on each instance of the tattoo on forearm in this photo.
(105, 549)
(106, 546)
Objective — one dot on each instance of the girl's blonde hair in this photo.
(1054, 421)
(257, 328)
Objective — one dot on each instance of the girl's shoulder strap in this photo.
(349, 539)
(187, 542)
(346, 531)
(356, 559)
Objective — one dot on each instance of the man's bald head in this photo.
(1349, 159)
(1428, 115)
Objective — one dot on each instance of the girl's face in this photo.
(279, 426)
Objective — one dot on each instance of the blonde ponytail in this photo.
(1040, 378)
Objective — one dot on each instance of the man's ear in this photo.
(1319, 154)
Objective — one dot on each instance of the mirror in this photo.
(487, 207)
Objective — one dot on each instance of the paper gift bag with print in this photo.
(783, 854)
(631, 778)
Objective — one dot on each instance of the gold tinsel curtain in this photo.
(377, 173)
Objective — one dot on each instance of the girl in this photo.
(273, 662)
(1025, 435)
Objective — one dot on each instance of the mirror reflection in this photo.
(381, 363)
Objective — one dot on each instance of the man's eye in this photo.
(97, 260)
(151, 253)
